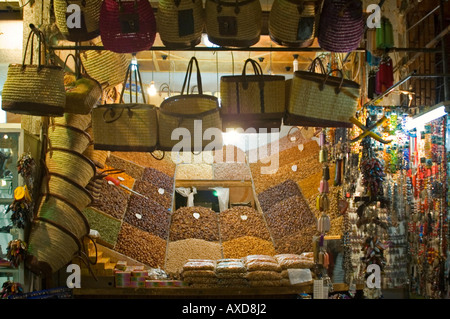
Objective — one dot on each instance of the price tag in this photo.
(196, 215)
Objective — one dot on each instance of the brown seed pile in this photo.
(232, 171)
(146, 159)
(130, 168)
(141, 245)
(158, 178)
(247, 245)
(112, 200)
(180, 251)
(152, 192)
(194, 222)
(242, 221)
(297, 243)
(194, 171)
(148, 215)
(306, 162)
(289, 216)
(276, 194)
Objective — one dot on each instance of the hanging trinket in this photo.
(16, 252)
(21, 207)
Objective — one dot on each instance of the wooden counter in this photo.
(198, 293)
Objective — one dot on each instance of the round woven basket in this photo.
(107, 67)
(293, 23)
(64, 187)
(64, 136)
(90, 10)
(245, 15)
(70, 164)
(341, 25)
(55, 208)
(170, 21)
(79, 121)
(94, 188)
(51, 245)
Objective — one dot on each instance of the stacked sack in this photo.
(200, 273)
(231, 272)
(262, 271)
(59, 228)
(293, 268)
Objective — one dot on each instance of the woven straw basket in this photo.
(57, 209)
(64, 187)
(125, 127)
(180, 22)
(79, 121)
(108, 68)
(341, 25)
(321, 100)
(51, 246)
(94, 188)
(129, 126)
(256, 101)
(293, 23)
(191, 115)
(233, 23)
(89, 24)
(63, 136)
(71, 164)
(98, 157)
(34, 89)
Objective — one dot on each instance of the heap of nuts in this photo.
(112, 200)
(158, 178)
(194, 222)
(277, 193)
(141, 245)
(289, 216)
(242, 221)
(148, 215)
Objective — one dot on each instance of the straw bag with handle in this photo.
(34, 89)
(180, 22)
(320, 99)
(127, 26)
(233, 23)
(88, 20)
(341, 25)
(129, 126)
(108, 68)
(192, 115)
(82, 91)
(293, 23)
(256, 101)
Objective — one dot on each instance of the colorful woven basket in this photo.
(187, 117)
(127, 26)
(293, 23)
(88, 27)
(252, 101)
(341, 25)
(180, 22)
(233, 23)
(34, 89)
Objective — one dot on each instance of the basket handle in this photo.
(314, 63)
(187, 78)
(40, 37)
(258, 71)
(338, 89)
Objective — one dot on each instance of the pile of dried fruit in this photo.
(242, 221)
(194, 222)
